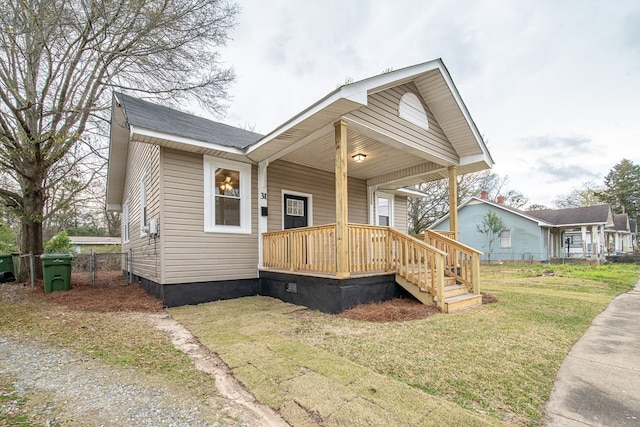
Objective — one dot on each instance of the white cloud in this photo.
(560, 77)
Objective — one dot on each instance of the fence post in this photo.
(439, 271)
(91, 267)
(32, 268)
(130, 260)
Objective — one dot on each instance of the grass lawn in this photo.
(487, 366)
(126, 340)
(483, 366)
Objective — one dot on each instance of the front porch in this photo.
(332, 183)
(436, 270)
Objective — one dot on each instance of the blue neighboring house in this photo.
(533, 236)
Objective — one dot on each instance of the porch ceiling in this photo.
(385, 166)
(382, 160)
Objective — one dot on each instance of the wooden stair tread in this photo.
(458, 298)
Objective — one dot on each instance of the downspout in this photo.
(371, 202)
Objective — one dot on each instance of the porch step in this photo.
(448, 282)
(457, 297)
(454, 290)
(461, 302)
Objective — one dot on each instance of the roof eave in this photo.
(355, 95)
(117, 163)
(138, 133)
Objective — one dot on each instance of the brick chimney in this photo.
(484, 195)
(501, 200)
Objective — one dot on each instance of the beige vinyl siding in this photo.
(143, 159)
(320, 185)
(381, 114)
(192, 255)
(400, 213)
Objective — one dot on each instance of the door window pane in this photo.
(295, 207)
(383, 211)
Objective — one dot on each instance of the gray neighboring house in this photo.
(620, 236)
(537, 236)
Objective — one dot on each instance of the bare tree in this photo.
(496, 185)
(584, 195)
(59, 61)
(491, 227)
(422, 212)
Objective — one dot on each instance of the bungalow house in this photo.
(619, 236)
(314, 212)
(534, 236)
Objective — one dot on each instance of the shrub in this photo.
(59, 244)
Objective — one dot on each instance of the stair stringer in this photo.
(422, 296)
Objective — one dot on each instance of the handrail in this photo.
(420, 263)
(446, 233)
(461, 262)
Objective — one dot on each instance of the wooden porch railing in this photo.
(373, 249)
(310, 249)
(461, 261)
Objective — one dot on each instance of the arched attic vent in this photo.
(410, 108)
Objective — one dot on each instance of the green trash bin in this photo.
(7, 268)
(6, 263)
(56, 272)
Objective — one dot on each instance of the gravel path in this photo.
(68, 389)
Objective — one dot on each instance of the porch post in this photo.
(262, 203)
(453, 200)
(342, 232)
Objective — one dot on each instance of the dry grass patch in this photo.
(497, 361)
(260, 339)
(124, 339)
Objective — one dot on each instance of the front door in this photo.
(296, 212)
(384, 209)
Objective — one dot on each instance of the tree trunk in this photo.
(31, 236)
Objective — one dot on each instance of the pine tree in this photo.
(622, 188)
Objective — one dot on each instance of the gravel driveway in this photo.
(67, 389)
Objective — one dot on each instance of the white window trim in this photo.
(125, 223)
(309, 206)
(501, 240)
(143, 203)
(391, 198)
(210, 166)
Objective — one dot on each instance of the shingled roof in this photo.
(620, 222)
(573, 216)
(167, 120)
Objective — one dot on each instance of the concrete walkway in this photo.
(598, 383)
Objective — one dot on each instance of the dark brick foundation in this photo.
(328, 295)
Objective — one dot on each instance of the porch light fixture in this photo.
(359, 158)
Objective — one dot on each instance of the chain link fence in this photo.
(100, 269)
(96, 269)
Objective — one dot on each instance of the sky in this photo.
(553, 86)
